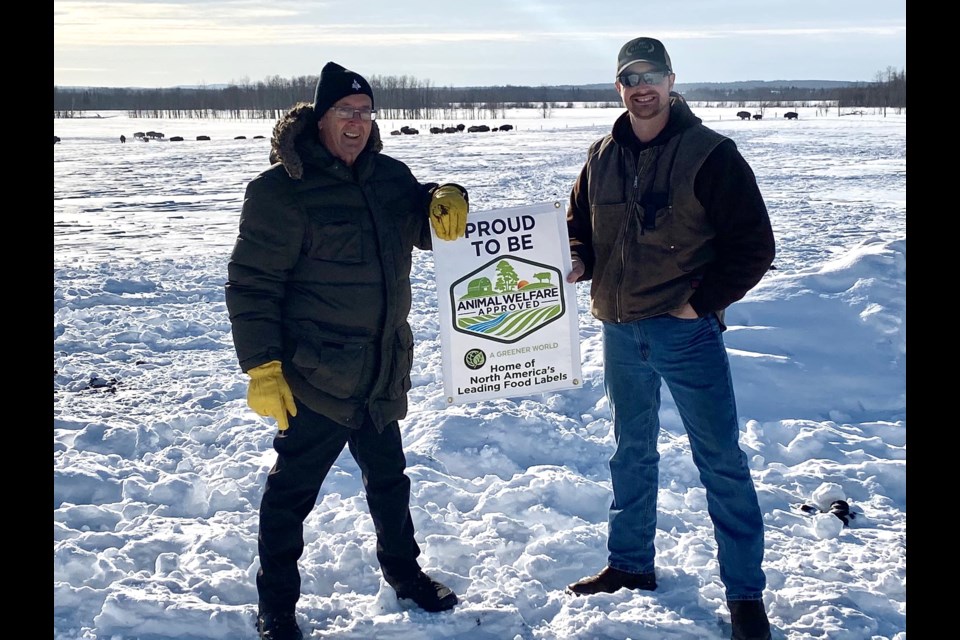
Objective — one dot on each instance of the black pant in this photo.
(305, 453)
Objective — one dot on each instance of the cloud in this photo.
(244, 23)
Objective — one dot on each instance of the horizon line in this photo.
(215, 85)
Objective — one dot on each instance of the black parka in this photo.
(319, 277)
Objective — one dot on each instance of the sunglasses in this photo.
(635, 79)
(347, 113)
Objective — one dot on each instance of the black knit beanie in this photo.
(335, 83)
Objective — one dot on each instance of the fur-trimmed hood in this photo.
(296, 130)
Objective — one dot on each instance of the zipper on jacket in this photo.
(631, 203)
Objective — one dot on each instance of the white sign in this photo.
(508, 318)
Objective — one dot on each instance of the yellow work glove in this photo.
(448, 211)
(269, 394)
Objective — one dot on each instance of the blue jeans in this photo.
(689, 355)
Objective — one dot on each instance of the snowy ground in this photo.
(159, 464)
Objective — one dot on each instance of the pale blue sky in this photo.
(155, 43)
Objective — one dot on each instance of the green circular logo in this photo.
(474, 359)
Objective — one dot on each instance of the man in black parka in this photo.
(318, 294)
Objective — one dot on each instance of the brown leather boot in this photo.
(610, 580)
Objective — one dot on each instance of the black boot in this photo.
(426, 592)
(278, 626)
(749, 620)
(611, 580)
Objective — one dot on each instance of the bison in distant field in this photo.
(506, 127)
(743, 115)
(176, 139)
(791, 115)
(758, 116)
(203, 137)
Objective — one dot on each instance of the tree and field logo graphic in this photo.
(507, 299)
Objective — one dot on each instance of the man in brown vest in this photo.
(667, 222)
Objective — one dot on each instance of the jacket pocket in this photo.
(333, 368)
(336, 242)
(402, 362)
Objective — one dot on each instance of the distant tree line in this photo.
(405, 97)
(397, 97)
(888, 90)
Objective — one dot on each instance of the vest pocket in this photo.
(606, 221)
(654, 222)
